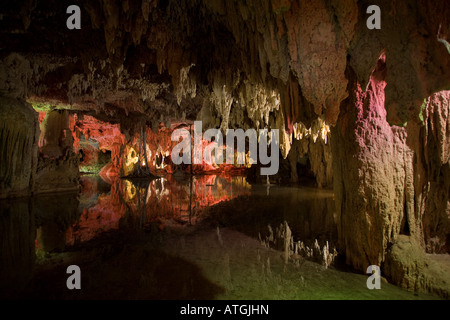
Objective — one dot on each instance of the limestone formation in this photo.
(366, 111)
(18, 145)
(409, 267)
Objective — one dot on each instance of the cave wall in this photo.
(372, 168)
(391, 184)
(93, 138)
(55, 137)
(312, 145)
(286, 57)
(58, 166)
(18, 145)
(231, 63)
(58, 175)
(269, 63)
(429, 138)
(33, 160)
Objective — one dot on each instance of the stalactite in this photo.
(273, 64)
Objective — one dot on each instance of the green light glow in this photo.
(46, 107)
(422, 109)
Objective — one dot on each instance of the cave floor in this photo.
(155, 248)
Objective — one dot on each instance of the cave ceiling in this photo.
(232, 63)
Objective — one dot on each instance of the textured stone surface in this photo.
(391, 182)
(18, 145)
(313, 148)
(245, 63)
(430, 140)
(371, 171)
(409, 267)
(57, 175)
(55, 137)
(57, 169)
(418, 63)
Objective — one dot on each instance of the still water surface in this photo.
(183, 237)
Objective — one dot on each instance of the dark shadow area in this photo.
(116, 267)
(308, 212)
(17, 257)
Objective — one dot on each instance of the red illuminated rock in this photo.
(235, 64)
(390, 183)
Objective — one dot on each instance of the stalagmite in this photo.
(362, 111)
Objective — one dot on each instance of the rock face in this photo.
(57, 168)
(26, 170)
(55, 136)
(414, 35)
(430, 140)
(391, 181)
(409, 267)
(372, 169)
(18, 145)
(58, 175)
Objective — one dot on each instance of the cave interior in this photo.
(88, 175)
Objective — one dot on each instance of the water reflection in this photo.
(54, 223)
(121, 235)
(17, 258)
(30, 228)
(164, 201)
(309, 212)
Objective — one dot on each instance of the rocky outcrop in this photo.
(55, 137)
(18, 145)
(429, 137)
(372, 167)
(390, 182)
(409, 267)
(57, 169)
(58, 175)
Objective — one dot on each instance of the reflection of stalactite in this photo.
(17, 254)
(179, 200)
(142, 208)
(190, 198)
(141, 169)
